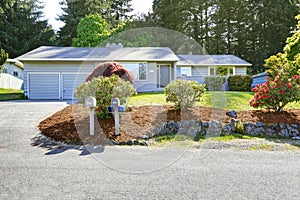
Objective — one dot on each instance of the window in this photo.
(221, 71)
(16, 74)
(4, 71)
(184, 71)
(142, 71)
(139, 70)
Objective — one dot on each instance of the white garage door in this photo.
(70, 82)
(44, 86)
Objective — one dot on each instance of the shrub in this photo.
(275, 94)
(184, 93)
(104, 89)
(240, 83)
(215, 83)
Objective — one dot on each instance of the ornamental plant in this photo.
(184, 94)
(277, 93)
(104, 89)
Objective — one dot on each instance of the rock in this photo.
(296, 138)
(232, 113)
(136, 142)
(273, 126)
(226, 130)
(205, 124)
(258, 131)
(260, 124)
(192, 132)
(144, 137)
(293, 132)
(282, 125)
(181, 131)
(130, 142)
(214, 124)
(296, 126)
(284, 133)
(143, 143)
(122, 143)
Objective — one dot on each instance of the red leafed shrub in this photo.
(109, 68)
(275, 94)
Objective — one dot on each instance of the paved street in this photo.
(31, 172)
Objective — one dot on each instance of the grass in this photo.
(11, 94)
(228, 138)
(229, 100)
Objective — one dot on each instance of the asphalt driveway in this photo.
(33, 172)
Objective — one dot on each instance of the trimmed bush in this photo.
(215, 83)
(184, 94)
(104, 89)
(240, 83)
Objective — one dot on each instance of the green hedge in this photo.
(240, 83)
(215, 83)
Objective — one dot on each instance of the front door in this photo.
(163, 76)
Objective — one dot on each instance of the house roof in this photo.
(15, 62)
(52, 53)
(207, 60)
(261, 75)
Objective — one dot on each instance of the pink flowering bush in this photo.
(275, 94)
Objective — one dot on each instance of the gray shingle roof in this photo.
(50, 53)
(206, 60)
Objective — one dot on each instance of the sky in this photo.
(52, 10)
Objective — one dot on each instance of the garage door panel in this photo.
(44, 86)
(70, 82)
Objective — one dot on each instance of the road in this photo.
(110, 172)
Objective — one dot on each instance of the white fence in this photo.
(9, 81)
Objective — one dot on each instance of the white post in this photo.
(91, 103)
(92, 122)
(117, 120)
(115, 102)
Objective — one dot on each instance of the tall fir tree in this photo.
(22, 28)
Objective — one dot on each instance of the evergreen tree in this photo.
(22, 28)
(113, 11)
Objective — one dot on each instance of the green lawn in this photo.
(11, 94)
(228, 100)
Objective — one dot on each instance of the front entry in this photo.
(163, 75)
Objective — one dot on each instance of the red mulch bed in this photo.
(72, 123)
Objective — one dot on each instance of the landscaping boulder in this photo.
(109, 68)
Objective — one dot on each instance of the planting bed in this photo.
(71, 125)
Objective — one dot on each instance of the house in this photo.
(12, 74)
(197, 67)
(54, 72)
(259, 79)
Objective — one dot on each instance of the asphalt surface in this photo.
(33, 172)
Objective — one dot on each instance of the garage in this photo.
(70, 82)
(43, 85)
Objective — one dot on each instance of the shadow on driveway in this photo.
(54, 148)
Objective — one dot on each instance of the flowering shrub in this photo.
(104, 89)
(184, 93)
(275, 94)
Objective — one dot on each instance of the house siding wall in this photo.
(79, 70)
(240, 70)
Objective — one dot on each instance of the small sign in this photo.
(111, 109)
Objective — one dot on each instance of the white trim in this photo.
(205, 65)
